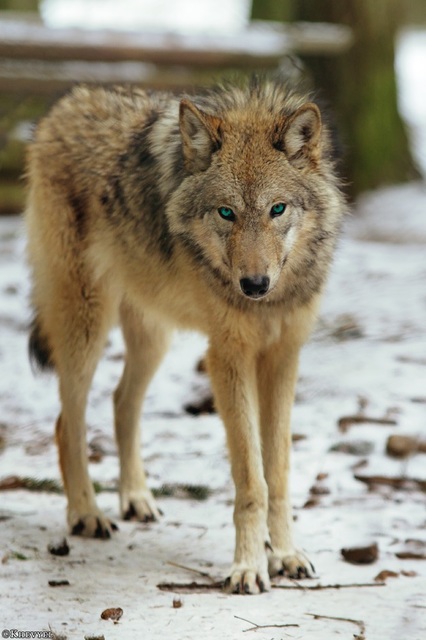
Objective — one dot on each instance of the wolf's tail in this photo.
(39, 350)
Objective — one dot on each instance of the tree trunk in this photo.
(279, 10)
(360, 87)
(19, 5)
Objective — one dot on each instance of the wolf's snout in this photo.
(255, 287)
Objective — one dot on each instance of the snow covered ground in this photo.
(368, 354)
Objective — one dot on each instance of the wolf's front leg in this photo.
(233, 376)
(277, 374)
(146, 341)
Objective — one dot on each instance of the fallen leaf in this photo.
(347, 421)
(410, 555)
(202, 366)
(297, 437)
(404, 446)
(96, 457)
(177, 603)
(361, 555)
(11, 482)
(311, 502)
(322, 476)
(385, 574)
(319, 490)
(413, 549)
(398, 482)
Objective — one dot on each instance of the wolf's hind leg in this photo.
(77, 335)
(146, 342)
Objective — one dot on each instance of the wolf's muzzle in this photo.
(255, 287)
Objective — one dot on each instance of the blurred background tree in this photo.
(19, 5)
(359, 85)
(13, 108)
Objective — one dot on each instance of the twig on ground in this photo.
(320, 587)
(398, 482)
(204, 574)
(264, 626)
(201, 587)
(360, 623)
(346, 422)
(410, 555)
(179, 587)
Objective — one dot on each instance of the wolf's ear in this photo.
(200, 136)
(299, 135)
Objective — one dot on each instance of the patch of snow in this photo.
(396, 214)
(370, 344)
(212, 16)
(410, 67)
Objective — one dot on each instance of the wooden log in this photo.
(50, 78)
(259, 45)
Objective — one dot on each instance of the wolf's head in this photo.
(260, 199)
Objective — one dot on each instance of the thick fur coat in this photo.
(217, 213)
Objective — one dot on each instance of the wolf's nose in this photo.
(255, 287)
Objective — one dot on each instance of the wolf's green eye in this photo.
(278, 209)
(226, 213)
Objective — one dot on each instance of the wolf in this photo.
(215, 212)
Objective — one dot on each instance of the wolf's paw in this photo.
(292, 563)
(139, 505)
(244, 579)
(92, 525)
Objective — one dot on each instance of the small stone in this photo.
(59, 583)
(114, 614)
(59, 548)
(202, 407)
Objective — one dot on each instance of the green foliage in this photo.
(17, 555)
(46, 485)
(194, 491)
(19, 5)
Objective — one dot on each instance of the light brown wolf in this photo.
(217, 213)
